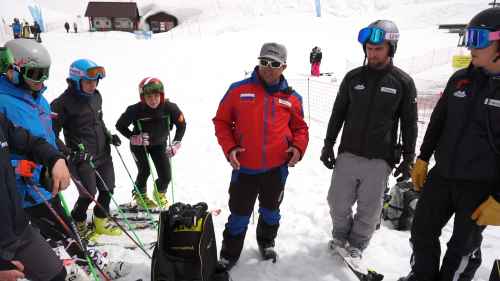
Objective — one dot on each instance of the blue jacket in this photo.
(33, 114)
(16, 28)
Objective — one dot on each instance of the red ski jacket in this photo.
(263, 120)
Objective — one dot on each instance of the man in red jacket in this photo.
(260, 127)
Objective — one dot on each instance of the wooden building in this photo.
(161, 22)
(104, 16)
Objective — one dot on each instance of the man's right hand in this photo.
(14, 274)
(419, 174)
(233, 157)
(60, 176)
(328, 156)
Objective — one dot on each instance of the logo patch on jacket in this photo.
(388, 90)
(460, 94)
(359, 87)
(4, 144)
(284, 102)
(247, 96)
(492, 102)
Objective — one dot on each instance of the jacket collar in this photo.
(282, 85)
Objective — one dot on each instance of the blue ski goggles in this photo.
(375, 35)
(480, 38)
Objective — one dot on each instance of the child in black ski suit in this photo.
(152, 118)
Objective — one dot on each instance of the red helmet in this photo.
(151, 85)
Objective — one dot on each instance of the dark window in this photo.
(97, 22)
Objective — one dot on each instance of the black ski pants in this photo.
(161, 162)
(93, 183)
(243, 192)
(439, 201)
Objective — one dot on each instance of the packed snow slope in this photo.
(216, 42)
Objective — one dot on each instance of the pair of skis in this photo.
(362, 273)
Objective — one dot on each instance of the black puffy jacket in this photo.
(369, 105)
(81, 118)
(156, 122)
(464, 130)
(12, 216)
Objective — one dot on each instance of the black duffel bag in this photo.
(186, 249)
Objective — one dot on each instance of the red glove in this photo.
(25, 168)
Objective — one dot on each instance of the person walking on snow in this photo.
(260, 126)
(315, 59)
(66, 26)
(373, 101)
(16, 28)
(152, 118)
(464, 136)
(78, 112)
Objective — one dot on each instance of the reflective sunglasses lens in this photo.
(36, 74)
(270, 63)
(364, 35)
(96, 72)
(377, 36)
(477, 38)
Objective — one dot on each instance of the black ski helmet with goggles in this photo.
(31, 60)
(378, 32)
(483, 29)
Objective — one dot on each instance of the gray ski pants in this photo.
(358, 180)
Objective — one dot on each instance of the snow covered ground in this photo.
(197, 62)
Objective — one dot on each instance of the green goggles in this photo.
(35, 74)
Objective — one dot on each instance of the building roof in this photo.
(112, 9)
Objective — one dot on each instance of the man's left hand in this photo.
(115, 140)
(404, 171)
(295, 156)
(60, 176)
(488, 213)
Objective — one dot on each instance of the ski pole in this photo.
(104, 184)
(155, 187)
(77, 235)
(80, 187)
(69, 232)
(170, 160)
(136, 189)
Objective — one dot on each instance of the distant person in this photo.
(315, 60)
(26, 30)
(75, 27)
(16, 28)
(66, 26)
(260, 126)
(37, 31)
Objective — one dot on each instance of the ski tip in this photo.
(374, 276)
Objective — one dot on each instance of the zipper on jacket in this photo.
(264, 129)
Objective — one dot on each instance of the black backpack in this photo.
(495, 271)
(186, 249)
(399, 206)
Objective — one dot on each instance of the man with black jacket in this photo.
(372, 100)
(22, 248)
(87, 143)
(464, 136)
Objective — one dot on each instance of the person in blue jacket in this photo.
(16, 28)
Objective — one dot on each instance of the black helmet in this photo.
(489, 19)
(389, 27)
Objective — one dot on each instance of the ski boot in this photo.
(336, 244)
(148, 203)
(105, 227)
(161, 199)
(86, 233)
(225, 264)
(113, 270)
(268, 253)
(354, 255)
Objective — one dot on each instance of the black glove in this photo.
(404, 169)
(115, 140)
(79, 156)
(328, 155)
